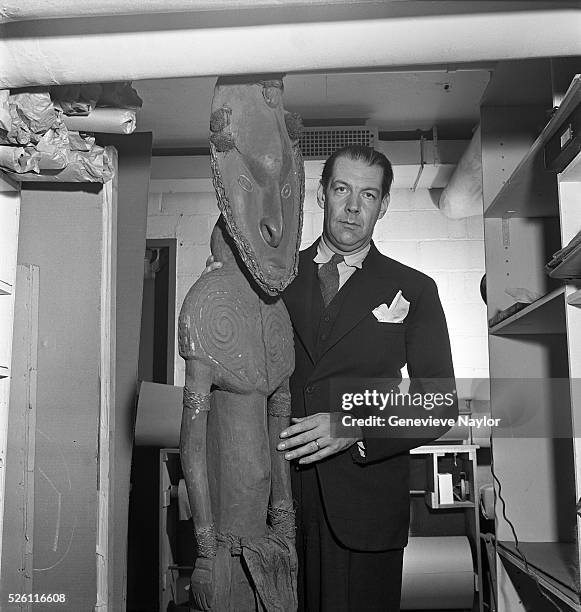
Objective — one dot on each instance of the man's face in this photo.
(352, 204)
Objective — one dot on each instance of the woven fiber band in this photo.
(207, 543)
(199, 402)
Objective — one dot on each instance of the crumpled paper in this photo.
(53, 149)
(81, 142)
(120, 95)
(76, 99)
(36, 145)
(81, 100)
(19, 159)
(5, 119)
(32, 114)
(94, 166)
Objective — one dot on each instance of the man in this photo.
(352, 493)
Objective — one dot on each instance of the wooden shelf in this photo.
(570, 268)
(531, 191)
(5, 288)
(544, 316)
(458, 504)
(552, 563)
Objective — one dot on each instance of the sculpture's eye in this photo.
(272, 95)
(285, 191)
(245, 182)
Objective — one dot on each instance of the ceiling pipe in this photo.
(19, 10)
(89, 50)
(462, 196)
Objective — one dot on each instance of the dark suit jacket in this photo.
(367, 499)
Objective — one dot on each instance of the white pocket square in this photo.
(395, 313)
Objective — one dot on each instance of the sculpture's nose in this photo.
(271, 230)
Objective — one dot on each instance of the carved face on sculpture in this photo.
(258, 176)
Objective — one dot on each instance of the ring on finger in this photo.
(317, 445)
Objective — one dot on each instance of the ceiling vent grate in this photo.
(320, 142)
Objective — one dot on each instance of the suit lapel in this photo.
(364, 291)
(299, 300)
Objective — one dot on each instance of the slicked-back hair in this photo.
(360, 153)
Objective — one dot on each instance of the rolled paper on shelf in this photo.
(109, 120)
(438, 574)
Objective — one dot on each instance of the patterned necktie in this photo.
(329, 278)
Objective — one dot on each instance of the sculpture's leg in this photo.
(239, 475)
(243, 597)
(281, 513)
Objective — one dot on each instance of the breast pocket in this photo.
(376, 348)
(389, 338)
(389, 328)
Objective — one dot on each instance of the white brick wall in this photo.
(413, 231)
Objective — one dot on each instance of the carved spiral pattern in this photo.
(277, 335)
(222, 328)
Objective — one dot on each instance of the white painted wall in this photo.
(413, 231)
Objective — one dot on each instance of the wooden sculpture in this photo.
(236, 338)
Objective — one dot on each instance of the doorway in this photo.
(156, 364)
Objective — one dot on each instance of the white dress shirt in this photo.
(345, 268)
(349, 264)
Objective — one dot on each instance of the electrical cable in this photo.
(512, 528)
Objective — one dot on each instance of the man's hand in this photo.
(211, 264)
(310, 437)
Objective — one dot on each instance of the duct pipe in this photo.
(80, 51)
(462, 197)
(19, 10)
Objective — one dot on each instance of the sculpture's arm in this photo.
(281, 512)
(196, 405)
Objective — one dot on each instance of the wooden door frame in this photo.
(106, 382)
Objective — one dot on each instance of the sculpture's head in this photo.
(258, 175)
